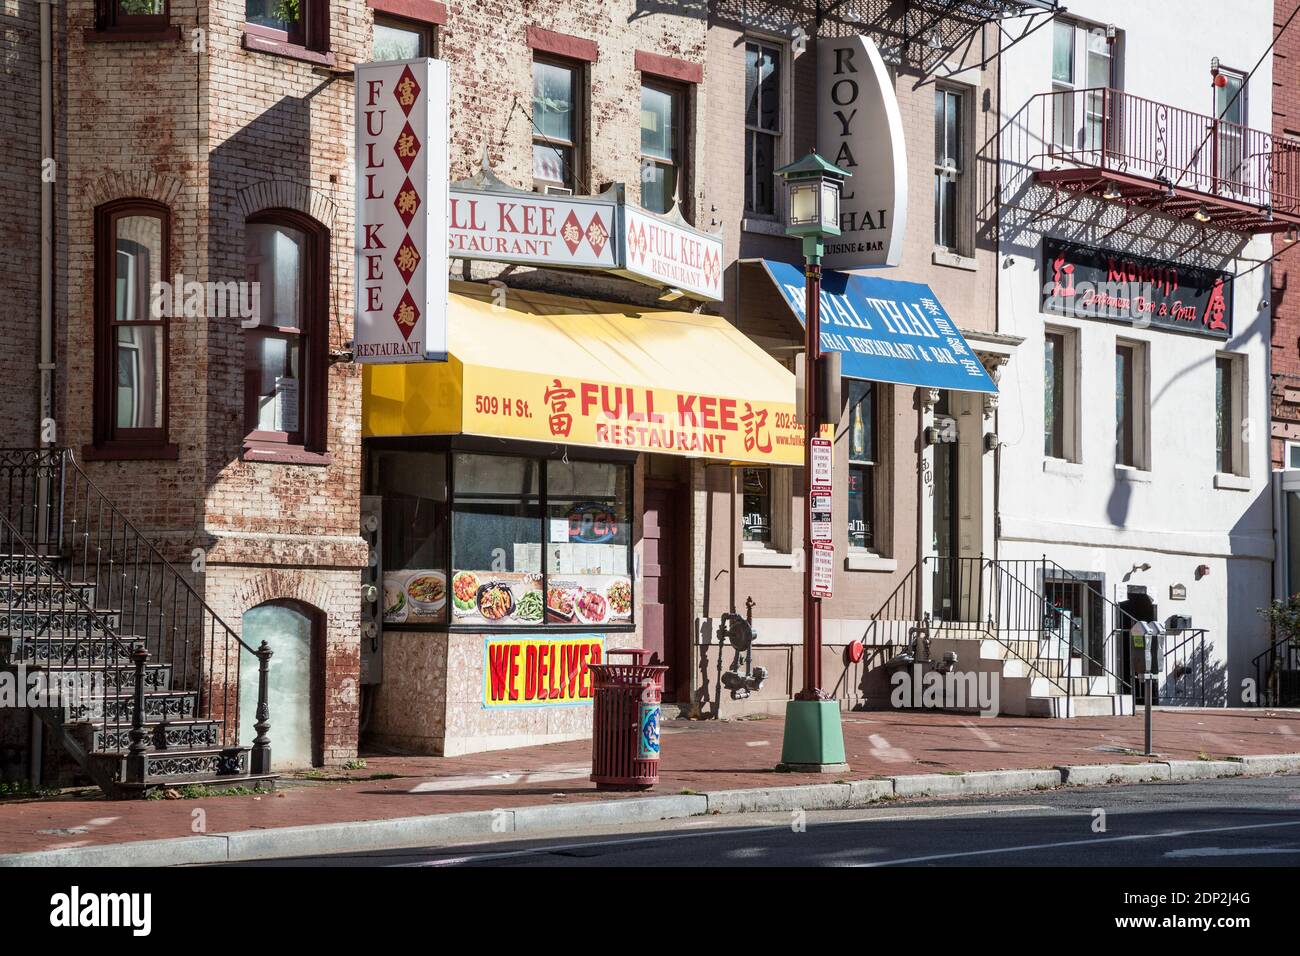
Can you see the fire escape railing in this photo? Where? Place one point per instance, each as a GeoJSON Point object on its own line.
{"type": "Point", "coordinates": [1111, 130]}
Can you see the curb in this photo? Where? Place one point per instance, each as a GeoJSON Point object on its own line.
{"type": "Point", "coordinates": [395, 833]}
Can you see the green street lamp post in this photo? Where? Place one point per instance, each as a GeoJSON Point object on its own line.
{"type": "Point", "coordinates": [814, 739]}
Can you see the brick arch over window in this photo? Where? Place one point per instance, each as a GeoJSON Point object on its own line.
{"type": "Point", "coordinates": [283, 194]}
{"type": "Point", "coordinates": [275, 585]}
{"type": "Point", "coordinates": [136, 184]}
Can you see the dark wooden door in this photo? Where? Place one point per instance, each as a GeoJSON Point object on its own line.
{"type": "Point", "coordinates": [665, 594]}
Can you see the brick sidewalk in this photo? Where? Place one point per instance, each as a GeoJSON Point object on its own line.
{"type": "Point", "coordinates": [697, 755]}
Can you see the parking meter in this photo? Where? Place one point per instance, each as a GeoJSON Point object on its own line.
{"type": "Point", "coordinates": [1143, 647]}
{"type": "Point", "coordinates": [1144, 655]}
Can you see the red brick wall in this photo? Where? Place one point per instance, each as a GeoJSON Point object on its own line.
{"type": "Point", "coordinates": [1285, 294]}
{"type": "Point", "coordinates": [20, 185]}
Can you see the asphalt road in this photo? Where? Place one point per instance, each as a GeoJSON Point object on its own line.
{"type": "Point", "coordinates": [1232, 822]}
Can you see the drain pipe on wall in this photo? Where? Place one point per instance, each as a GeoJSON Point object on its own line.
{"type": "Point", "coordinates": [47, 366]}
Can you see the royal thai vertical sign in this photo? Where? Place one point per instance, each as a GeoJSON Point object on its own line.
{"type": "Point", "coordinates": [860, 129]}
{"type": "Point", "coordinates": [402, 194]}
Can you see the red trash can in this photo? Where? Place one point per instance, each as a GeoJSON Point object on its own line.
{"type": "Point", "coordinates": [625, 722]}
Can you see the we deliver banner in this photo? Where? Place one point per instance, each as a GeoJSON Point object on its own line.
{"type": "Point", "coordinates": [527, 671]}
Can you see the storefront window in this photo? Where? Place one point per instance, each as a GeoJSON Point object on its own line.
{"type": "Point", "coordinates": [413, 535]}
{"type": "Point", "coordinates": [587, 543]}
{"type": "Point", "coordinates": [507, 510]}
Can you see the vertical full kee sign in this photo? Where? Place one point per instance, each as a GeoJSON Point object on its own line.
{"type": "Point", "coordinates": [402, 195]}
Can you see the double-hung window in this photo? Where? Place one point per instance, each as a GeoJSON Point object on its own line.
{"type": "Point", "coordinates": [662, 152]}
{"type": "Point", "coordinates": [763, 126]}
{"type": "Point", "coordinates": [1082, 72]}
{"type": "Point", "coordinates": [1131, 403]}
{"type": "Point", "coordinates": [949, 168]}
{"type": "Point", "coordinates": [132, 237]}
{"type": "Point", "coordinates": [1230, 402]}
{"type": "Point", "coordinates": [1060, 394]}
{"type": "Point", "coordinates": [285, 351]}
{"type": "Point", "coordinates": [557, 125]}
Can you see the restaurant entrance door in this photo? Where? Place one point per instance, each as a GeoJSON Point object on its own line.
{"type": "Point", "coordinates": [665, 574]}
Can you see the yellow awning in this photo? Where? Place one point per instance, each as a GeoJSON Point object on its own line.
{"type": "Point", "coordinates": [542, 367]}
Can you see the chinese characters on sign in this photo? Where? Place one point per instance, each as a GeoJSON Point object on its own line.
{"type": "Point", "coordinates": [401, 194]}
{"type": "Point", "coordinates": [1088, 283]}
{"type": "Point", "coordinates": [886, 330]}
{"type": "Point", "coordinates": [531, 228]}
{"type": "Point", "coordinates": [578, 411]}
{"type": "Point", "coordinates": [584, 232]}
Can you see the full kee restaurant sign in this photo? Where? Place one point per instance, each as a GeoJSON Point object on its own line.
{"type": "Point", "coordinates": [604, 232]}
{"type": "Point", "coordinates": [673, 254]}
{"type": "Point", "coordinates": [529, 671]}
{"type": "Point", "coordinates": [572, 410]}
{"type": "Point", "coordinates": [401, 198]}
{"type": "Point", "coordinates": [516, 226]}
{"type": "Point", "coordinates": [1089, 283]}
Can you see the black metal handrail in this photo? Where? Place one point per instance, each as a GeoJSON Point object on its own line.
{"type": "Point", "coordinates": [67, 637]}
{"type": "Point", "coordinates": [1184, 666]}
{"type": "Point", "coordinates": [155, 604]}
{"type": "Point", "coordinates": [1277, 673]}
{"type": "Point", "coordinates": [1045, 571]}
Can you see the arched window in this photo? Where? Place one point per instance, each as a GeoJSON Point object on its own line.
{"type": "Point", "coordinates": [286, 353]}
{"type": "Point", "coordinates": [132, 240]}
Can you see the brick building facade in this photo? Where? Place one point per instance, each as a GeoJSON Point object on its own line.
{"type": "Point", "coordinates": [1285, 355]}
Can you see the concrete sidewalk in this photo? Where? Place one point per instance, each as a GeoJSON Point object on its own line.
{"type": "Point", "coordinates": [708, 766]}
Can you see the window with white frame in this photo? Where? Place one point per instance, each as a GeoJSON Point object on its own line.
{"type": "Point", "coordinates": [951, 161]}
{"type": "Point", "coordinates": [763, 126]}
{"type": "Point", "coordinates": [1083, 68]}
{"type": "Point", "coordinates": [1230, 406]}
{"type": "Point", "coordinates": [1230, 114]}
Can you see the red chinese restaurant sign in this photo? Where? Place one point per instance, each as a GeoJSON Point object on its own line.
{"type": "Point", "coordinates": [1089, 283]}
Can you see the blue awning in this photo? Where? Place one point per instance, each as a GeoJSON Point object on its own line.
{"type": "Point", "coordinates": [886, 330]}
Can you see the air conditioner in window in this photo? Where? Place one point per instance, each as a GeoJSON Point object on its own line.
{"type": "Point", "coordinates": [557, 190]}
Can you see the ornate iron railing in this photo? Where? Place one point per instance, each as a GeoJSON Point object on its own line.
{"type": "Point", "coordinates": [1109, 129]}
{"type": "Point", "coordinates": [154, 607]}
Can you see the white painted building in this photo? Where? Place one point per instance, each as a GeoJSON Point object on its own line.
{"type": "Point", "coordinates": [1134, 454]}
